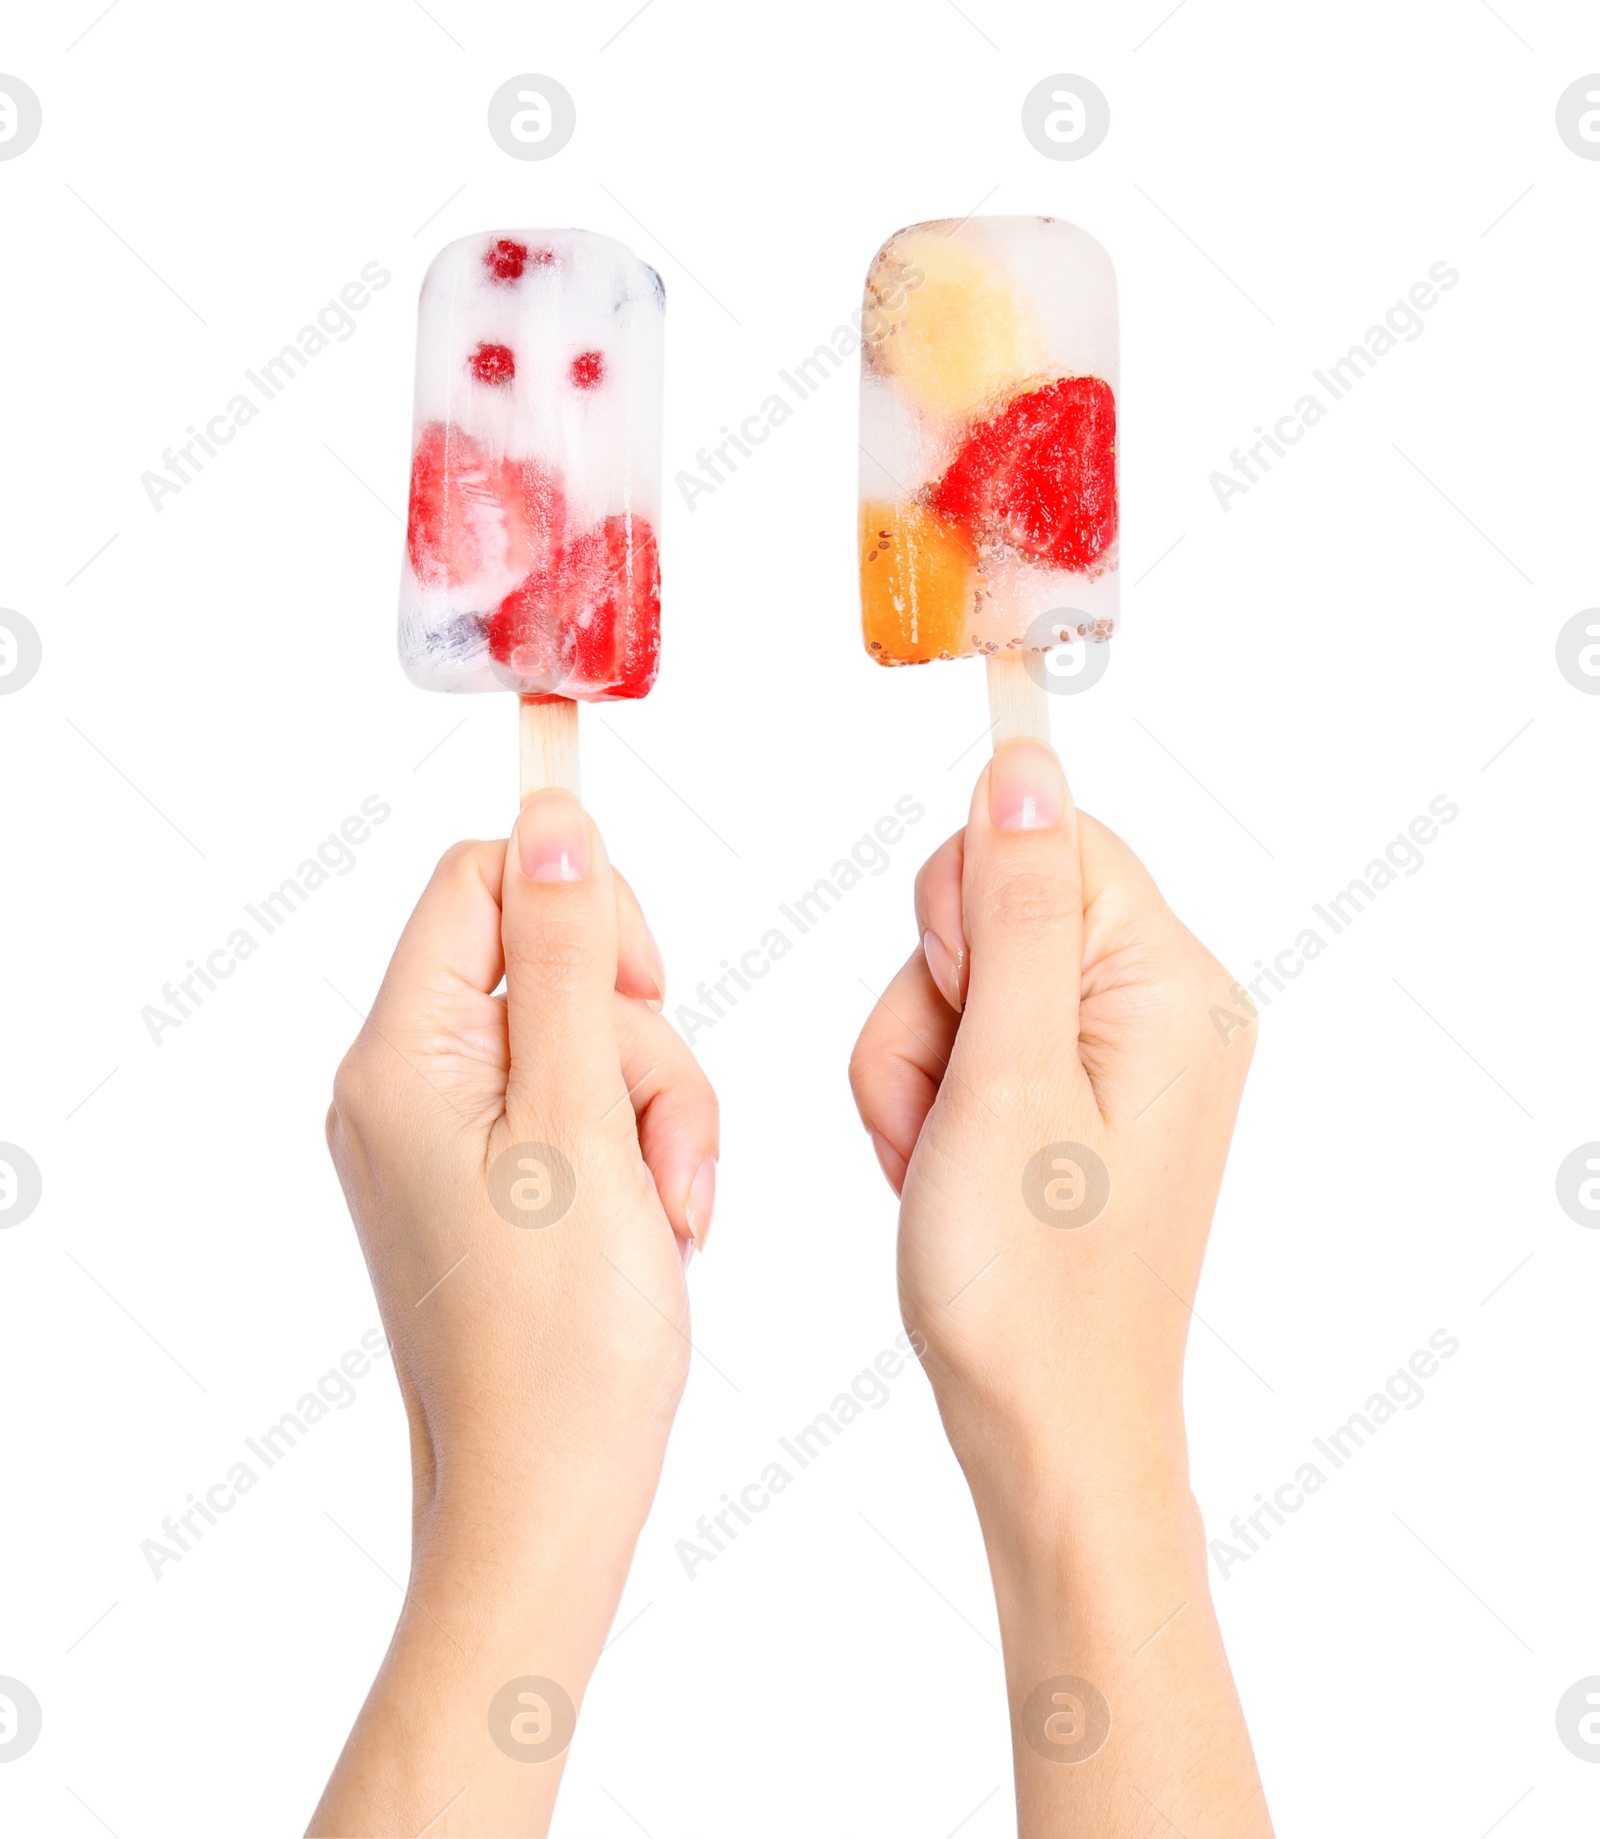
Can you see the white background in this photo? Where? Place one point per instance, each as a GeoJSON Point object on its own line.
{"type": "Point", "coordinates": [1325, 657]}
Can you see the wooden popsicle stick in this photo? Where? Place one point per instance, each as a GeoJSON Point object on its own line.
{"type": "Point", "coordinates": [549, 727]}
{"type": "Point", "coordinates": [1019, 707]}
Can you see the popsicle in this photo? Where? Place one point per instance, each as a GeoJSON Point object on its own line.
{"type": "Point", "coordinates": [531, 558]}
{"type": "Point", "coordinates": [988, 513]}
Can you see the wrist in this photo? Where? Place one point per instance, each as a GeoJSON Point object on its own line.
{"type": "Point", "coordinates": [1065, 1514]}
{"type": "Point", "coordinates": [1086, 1566]}
{"type": "Point", "coordinates": [494, 1598]}
{"type": "Point", "coordinates": [505, 1616]}
{"type": "Point", "coordinates": [523, 1538]}
{"type": "Point", "coordinates": [1032, 1460]}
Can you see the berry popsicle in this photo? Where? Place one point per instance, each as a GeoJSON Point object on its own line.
{"type": "Point", "coordinates": [988, 515]}
{"type": "Point", "coordinates": [531, 562]}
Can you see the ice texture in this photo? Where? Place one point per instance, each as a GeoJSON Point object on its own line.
{"type": "Point", "coordinates": [531, 559]}
{"type": "Point", "coordinates": [988, 440]}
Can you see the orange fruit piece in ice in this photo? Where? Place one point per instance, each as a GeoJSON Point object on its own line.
{"type": "Point", "coordinates": [919, 579]}
{"type": "Point", "coordinates": [949, 330]}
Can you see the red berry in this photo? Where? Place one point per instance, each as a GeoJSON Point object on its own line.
{"type": "Point", "coordinates": [1041, 476]}
{"type": "Point", "coordinates": [493, 364]}
{"type": "Point", "coordinates": [588, 367]}
{"type": "Point", "coordinates": [505, 260]}
{"type": "Point", "coordinates": [591, 623]}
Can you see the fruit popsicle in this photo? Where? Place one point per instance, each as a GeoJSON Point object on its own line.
{"type": "Point", "coordinates": [531, 560]}
{"type": "Point", "coordinates": [988, 513]}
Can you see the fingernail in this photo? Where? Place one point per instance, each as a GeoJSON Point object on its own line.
{"type": "Point", "coordinates": [657, 963]}
{"type": "Point", "coordinates": [889, 1160]}
{"type": "Point", "coordinates": [553, 838]}
{"type": "Point", "coordinates": [942, 967]}
{"type": "Point", "coordinates": [1027, 789]}
{"type": "Point", "coordinates": [686, 1251]}
{"type": "Point", "coordinates": [702, 1198]}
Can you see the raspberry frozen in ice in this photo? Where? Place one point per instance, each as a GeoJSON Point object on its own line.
{"type": "Point", "coordinates": [531, 552]}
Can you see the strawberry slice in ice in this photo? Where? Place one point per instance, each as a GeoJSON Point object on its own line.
{"type": "Point", "coordinates": [589, 625]}
{"type": "Point", "coordinates": [535, 509]}
{"type": "Point", "coordinates": [524, 634]}
{"type": "Point", "coordinates": [473, 516]}
{"type": "Point", "coordinates": [455, 525]}
{"type": "Point", "coordinates": [1041, 476]}
{"type": "Point", "coordinates": [615, 603]}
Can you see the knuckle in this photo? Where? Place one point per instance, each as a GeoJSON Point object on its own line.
{"type": "Point", "coordinates": [1231, 1008]}
{"type": "Point", "coordinates": [354, 1090]}
{"type": "Point", "coordinates": [704, 1096]}
{"type": "Point", "coordinates": [870, 1078]}
{"type": "Point", "coordinates": [555, 953]}
{"type": "Point", "coordinates": [456, 858]}
{"type": "Point", "coordinates": [870, 1056]}
{"type": "Point", "coordinates": [939, 879]}
{"type": "Point", "coordinates": [1008, 1089]}
{"type": "Point", "coordinates": [460, 865]}
{"type": "Point", "coordinates": [1028, 902]}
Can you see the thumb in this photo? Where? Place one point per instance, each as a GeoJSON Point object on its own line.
{"type": "Point", "coordinates": [559, 926]}
{"type": "Point", "coordinates": [1022, 907]}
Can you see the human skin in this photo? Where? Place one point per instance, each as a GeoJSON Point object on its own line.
{"type": "Point", "coordinates": [541, 1356]}
{"type": "Point", "coordinates": [1057, 1001]}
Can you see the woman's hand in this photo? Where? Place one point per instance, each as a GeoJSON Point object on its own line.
{"type": "Point", "coordinates": [528, 1175]}
{"type": "Point", "coordinates": [1050, 1092]}
{"type": "Point", "coordinates": [1072, 1008]}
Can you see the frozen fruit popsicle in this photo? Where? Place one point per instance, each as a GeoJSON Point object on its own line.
{"type": "Point", "coordinates": [531, 561]}
{"type": "Point", "coordinates": [988, 519]}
